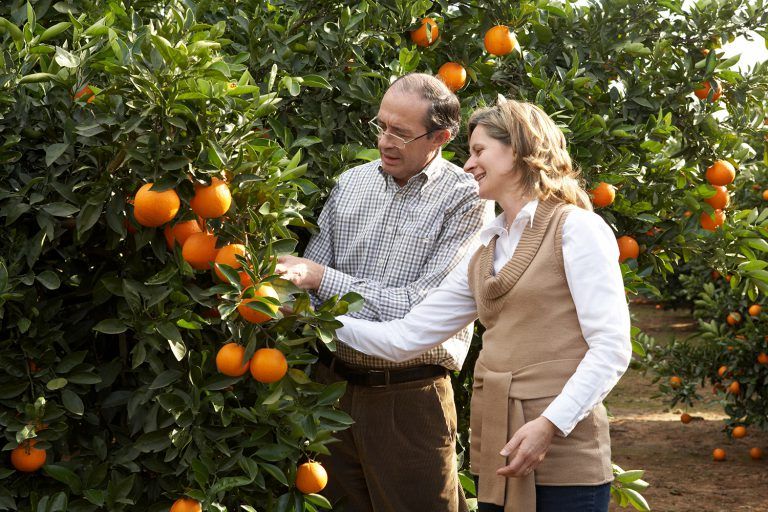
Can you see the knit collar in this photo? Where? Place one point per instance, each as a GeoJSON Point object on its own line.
{"type": "Point", "coordinates": [493, 286]}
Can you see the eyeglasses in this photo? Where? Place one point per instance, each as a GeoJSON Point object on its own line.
{"type": "Point", "coordinates": [399, 141]}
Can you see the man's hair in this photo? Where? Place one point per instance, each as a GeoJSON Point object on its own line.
{"type": "Point", "coordinates": [444, 112]}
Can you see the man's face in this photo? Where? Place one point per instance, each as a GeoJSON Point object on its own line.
{"type": "Point", "coordinates": [402, 114]}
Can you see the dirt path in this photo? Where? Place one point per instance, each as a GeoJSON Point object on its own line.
{"type": "Point", "coordinates": [677, 457]}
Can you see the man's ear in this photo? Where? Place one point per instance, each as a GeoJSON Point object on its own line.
{"type": "Point", "coordinates": [441, 137]}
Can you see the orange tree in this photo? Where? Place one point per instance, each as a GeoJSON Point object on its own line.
{"type": "Point", "coordinates": [188, 91]}
{"type": "Point", "coordinates": [109, 335]}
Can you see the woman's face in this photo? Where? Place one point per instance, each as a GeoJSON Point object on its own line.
{"type": "Point", "coordinates": [491, 163]}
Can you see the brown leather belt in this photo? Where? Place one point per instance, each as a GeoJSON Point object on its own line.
{"type": "Point", "coordinates": [378, 378]}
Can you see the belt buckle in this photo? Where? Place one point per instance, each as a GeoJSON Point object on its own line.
{"type": "Point", "coordinates": [380, 372]}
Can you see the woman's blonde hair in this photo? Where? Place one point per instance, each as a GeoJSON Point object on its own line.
{"type": "Point", "coordinates": [539, 149]}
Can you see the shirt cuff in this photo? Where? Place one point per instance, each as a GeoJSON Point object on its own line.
{"type": "Point", "coordinates": [564, 413]}
{"type": "Point", "coordinates": [333, 283]}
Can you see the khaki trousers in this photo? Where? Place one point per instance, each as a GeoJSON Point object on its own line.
{"type": "Point", "coordinates": [400, 454]}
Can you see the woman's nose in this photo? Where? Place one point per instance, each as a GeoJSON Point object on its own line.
{"type": "Point", "coordinates": [469, 164]}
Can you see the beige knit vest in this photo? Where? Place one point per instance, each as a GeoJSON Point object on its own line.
{"type": "Point", "coordinates": [531, 346]}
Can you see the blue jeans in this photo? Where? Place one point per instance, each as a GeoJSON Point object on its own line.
{"type": "Point", "coordinates": [577, 498]}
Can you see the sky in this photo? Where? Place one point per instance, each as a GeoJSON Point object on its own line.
{"type": "Point", "coordinates": [751, 52]}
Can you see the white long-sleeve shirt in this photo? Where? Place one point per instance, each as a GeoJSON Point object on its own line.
{"type": "Point", "coordinates": [590, 256]}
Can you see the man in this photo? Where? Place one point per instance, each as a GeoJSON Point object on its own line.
{"type": "Point", "coordinates": [390, 231]}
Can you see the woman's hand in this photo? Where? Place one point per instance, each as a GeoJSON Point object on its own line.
{"type": "Point", "coordinates": [528, 447]}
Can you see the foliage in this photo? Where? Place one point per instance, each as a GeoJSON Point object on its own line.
{"type": "Point", "coordinates": [107, 336]}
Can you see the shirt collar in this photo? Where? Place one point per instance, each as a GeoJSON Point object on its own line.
{"type": "Point", "coordinates": [497, 225]}
{"type": "Point", "coordinates": [425, 175]}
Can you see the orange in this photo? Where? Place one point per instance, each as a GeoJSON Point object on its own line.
{"type": "Point", "coordinates": [756, 453]}
{"type": "Point", "coordinates": [499, 40]}
{"type": "Point", "coordinates": [720, 200]}
{"type": "Point", "coordinates": [211, 201]}
{"type": "Point", "coordinates": [733, 318]}
{"type": "Point", "coordinates": [186, 505]}
{"type": "Point", "coordinates": [419, 36]}
{"type": "Point", "coordinates": [715, 275]}
{"type": "Point", "coordinates": [179, 232]}
{"type": "Point", "coordinates": [628, 248]}
{"type": "Point", "coordinates": [755, 310]}
{"type": "Point", "coordinates": [765, 195]}
{"type": "Point", "coordinates": [199, 250]}
{"type": "Point", "coordinates": [86, 93]}
{"type": "Point", "coordinates": [718, 454]}
{"type": "Point", "coordinates": [311, 478]}
{"type": "Point", "coordinates": [257, 317]}
{"type": "Point", "coordinates": [739, 432]}
{"type": "Point", "coordinates": [734, 388]}
{"type": "Point", "coordinates": [762, 358]}
{"type": "Point", "coordinates": [721, 371]}
{"type": "Point", "coordinates": [229, 360]}
{"type": "Point", "coordinates": [687, 213]}
{"type": "Point", "coordinates": [603, 194]}
{"type": "Point", "coordinates": [268, 365]}
{"type": "Point", "coordinates": [720, 173]}
{"type": "Point", "coordinates": [226, 256]}
{"type": "Point", "coordinates": [702, 92]}
{"type": "Point", "coordinates": [675, 381]}
{"type": "Point", "coordinates": [712, 222]}
{"type": "Point", "coordinates": [686, 418]}
{"type": "Point", "coordinates": [152, 208]}
{"type": "Point", "coordinates": [453, 75]}
{"type": "Point", "coordinates": [27, 458]}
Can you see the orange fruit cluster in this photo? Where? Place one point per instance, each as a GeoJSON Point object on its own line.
{"type": "Point", "coordinates": [498, 41]}
{"type": "Point", "coordinates": [267, 365]}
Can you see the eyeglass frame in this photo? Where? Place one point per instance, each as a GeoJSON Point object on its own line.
{"type": "Point", "coordinates": [380, 132]}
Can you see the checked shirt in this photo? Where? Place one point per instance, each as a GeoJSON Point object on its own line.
{"type": "Point", "coordinates": [393, 244]}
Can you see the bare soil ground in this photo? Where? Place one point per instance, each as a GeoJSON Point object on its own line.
{"type": "Point", "coordinates": [677, 458]}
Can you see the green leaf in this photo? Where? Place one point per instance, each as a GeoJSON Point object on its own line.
{"type": "Point", "coordinates": [275, 471]}
{"type": "Point", "coordinates": [111, 326]}
{"type": "Point", "coordinates": [630, 476]}
{"type": "Point", "coordinates": [316, 81]}
{"type": "Point", "coordinates": [637, 500]}
{"type": "Point", "coordinates": [35, 78]}
{"type": "Point", "coordinates": [53, 152]}
{"type": "Point", "coordinates": [332, 393]}
{"type": "Point", "coordinates": [166, 378]}
{"type": "Point", "coordinates": [88, 217]}
{"type": "Point", "coordinates": [152, 442]}
{"type": "Point", "coordinates": [65, 59]}
{"type": "Point", "coordinates": [72, 402]}
{"type": "Point", "coordinates": [60, 209]}
{"type": "Point", "coordinates": [169, 331]}
{"type": "Point", "coordinates": [49, 279]}
{"type": "Point", "coordinates": [13, 389]}
{"type": "Point", "coordinates": [369, 155]}
{"type": "Point", "coordinates": [54, 31]}
{"type": "Point", "coordinates": [57, 383]}
{"type": "Point", "coordinates": [318, 500]}
{"type": "Point", "coordinates": [163, 276]}
{"type": "Point", "coordinates": [65, 476]}
{"type": "Point", "coordinates": [84, 378]}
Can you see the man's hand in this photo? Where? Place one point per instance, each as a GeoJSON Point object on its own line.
{"type": "Point", "coordinates": [528, 447]}
{"type": "Point", "coordinates": [302, 272]}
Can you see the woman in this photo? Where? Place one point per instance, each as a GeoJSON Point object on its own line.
{"type": "Point", "coordinates": [546, 285]}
